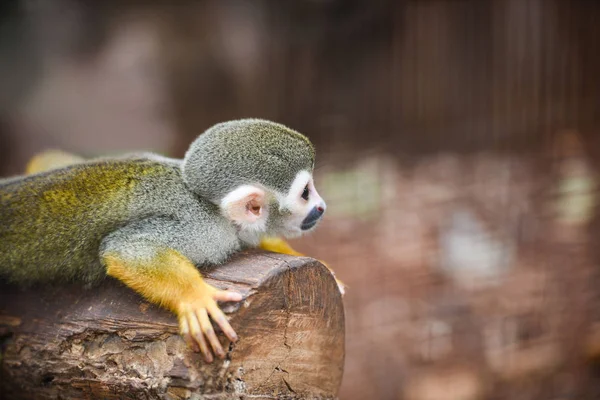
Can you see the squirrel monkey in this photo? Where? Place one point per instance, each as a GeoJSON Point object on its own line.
{"type": "Point", "coordinates": [52, 159]}
{"type": "Point", "coordinates": [149, 221]}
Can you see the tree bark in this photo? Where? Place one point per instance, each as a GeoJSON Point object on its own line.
{"type": "Point", "coordinates": [67, 342]}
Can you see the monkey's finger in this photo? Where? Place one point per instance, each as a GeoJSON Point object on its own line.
{"type": "Point", "coordinates": [184, 330]}
{"type": "Point", "coordinates": [199, 337]}
{"type": "Point", "coordinates": [221, 320]}
{"type": "Point", "coordinates": [226, 295]}
{"type": "Point", "coordinates": [209, 332]}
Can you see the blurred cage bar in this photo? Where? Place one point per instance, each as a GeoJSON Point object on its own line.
{"type": "Point", "coordinates": [457, 148]}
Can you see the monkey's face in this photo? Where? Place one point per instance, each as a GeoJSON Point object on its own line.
{"type": "Point", "coordinates": [301, 208]}
{"type": "Point", "coordinates": [256, 210]}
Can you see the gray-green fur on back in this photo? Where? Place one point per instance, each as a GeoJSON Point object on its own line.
{"type": "Point", "coordinates": [52, 223]}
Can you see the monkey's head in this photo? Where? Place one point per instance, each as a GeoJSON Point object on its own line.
{"type": "Point", "coordinates": [260, 175]}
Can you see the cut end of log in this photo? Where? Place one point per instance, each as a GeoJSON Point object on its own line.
{"type": "Point", "coordinates": [105, 342]}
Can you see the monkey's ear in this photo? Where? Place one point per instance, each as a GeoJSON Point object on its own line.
{"type": "Point", "coordinates": [245, 206]}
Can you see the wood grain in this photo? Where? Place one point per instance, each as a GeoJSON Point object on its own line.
{"type": "Point", "coordinates": [108, 343]}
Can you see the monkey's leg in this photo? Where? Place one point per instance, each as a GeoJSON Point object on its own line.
{"type": "Point", "coordinates": [166, 277]}
{"type": "Point", "coordinates": [278, 245]}
{"type": "Point", "coordinates": [51, 159]}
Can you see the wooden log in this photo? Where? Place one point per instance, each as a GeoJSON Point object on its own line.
{"type": "Point", "coordinates": [67, 342]}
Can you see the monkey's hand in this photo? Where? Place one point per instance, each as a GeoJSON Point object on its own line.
{"type": "Point", "coordinates": [278, 245]}
{"type": "Point", "coordinates": [193, 311]}
{"type": "Point", "coordinates": [168, 278]}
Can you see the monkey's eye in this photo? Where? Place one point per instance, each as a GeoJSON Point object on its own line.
{"type": "Point", "coordinates": [305, 193]}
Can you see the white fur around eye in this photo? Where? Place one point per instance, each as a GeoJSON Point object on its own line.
{"type": "Point", "coordinates": [293, 200]}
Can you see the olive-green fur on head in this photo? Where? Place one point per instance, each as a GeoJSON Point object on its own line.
{"type": "Point", "coordinates": [246, 151]}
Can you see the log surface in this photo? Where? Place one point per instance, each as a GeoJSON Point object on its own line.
{"type": "Point", "coordinates": [67, 342]}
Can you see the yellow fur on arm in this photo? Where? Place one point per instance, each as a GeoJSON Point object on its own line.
{"type": "Point", "coordinates": [169, 280]}
{"type": "Point", "coordinates": [278, 245]}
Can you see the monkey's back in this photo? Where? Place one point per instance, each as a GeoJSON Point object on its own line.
{"type": "Point", "coordinates": [52, 223]}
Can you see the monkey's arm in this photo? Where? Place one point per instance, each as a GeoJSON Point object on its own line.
{"type": "Point", "coordinates": [278, 245]}
{"type": "Point", "coordinates": [153, 267]}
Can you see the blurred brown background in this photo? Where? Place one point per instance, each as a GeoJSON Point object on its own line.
{"type": "Point", "coordinates": [457, 148]}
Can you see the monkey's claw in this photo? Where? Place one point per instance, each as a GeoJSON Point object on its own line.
{"type": "Point", "coordinates": [195, 325]}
